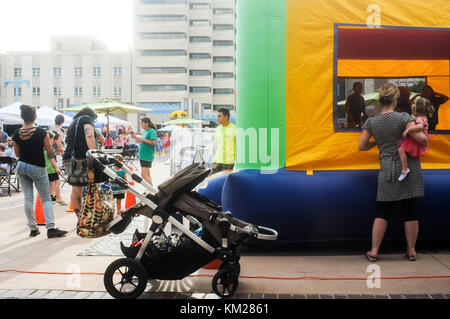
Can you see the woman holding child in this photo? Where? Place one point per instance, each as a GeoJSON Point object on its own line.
{"type": "Point", "coordinates": [388, 129]}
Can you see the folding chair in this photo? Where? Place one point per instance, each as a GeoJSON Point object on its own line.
{"type": "Point", "coordinates": [5, 176]}
{"type": "Point", "coordinates": [129, 155]}
{"type": "Point", "coordinates": [189, 155]}
{"type": "Point", "coordinates": [64, 175]}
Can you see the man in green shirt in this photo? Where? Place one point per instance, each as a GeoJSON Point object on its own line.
{"type": "Point", "coordinates": [226, 143]}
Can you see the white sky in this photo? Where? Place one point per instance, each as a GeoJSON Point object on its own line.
{"type": "Point", "coordinates": [26, 25]}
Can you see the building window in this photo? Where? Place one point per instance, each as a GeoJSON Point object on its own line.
{"type": "Point", "coordinates": [56, 91]}
{"type": "Point", "coordinates": [223, 11]}
{"type": "Point", "coordinates": [223, 75]}
{"type": "Point", "coordinates": [164, 53]}
{"type": "Point", "coordinates": [117, 91]}
{"type": "Point", "coordinates": [200, 73]}
{"type": "Point", "coordinates": [36, 72]}
{"type": "Point", "coordinates": [78, 91]}
{"type": "Point", "coordinates": [163, 1]}
{"type": "Point", "coordinates": [223, 91]}
{"type": "Point", "coordinates": [163, 70]}
{"type": "Point", "coordinates": [36, 91]}
{"type": "Point", "coordinates": [218, 107]}
{"type": "Point", "coordinates": [200, 23]}
{"type": "Point", "coordinates": [78, 71]}
{"type": "Point", "coordinates": [223, 27]}
{"type": "Point", "coordinates": [206, 106]}
{"type": "Point", "coordinates": [200, 56]}
{"type": "Point", "coordinates": [166, 18]}
{"type": "Point", "coordinates": [164, 35]}
{"type": "Point", "coordinates": [97, 91]}
{"type": "Point", "coordinates": [200, 6]}
{"type": "Point", "coordinates": [200, 39]}
{"type": "Point", "coordinates": [17, 72]}
{"type": "Point", "coordinates": [97, 71]}
{"type": "Point", "coordinates": [223, 59]}
{"type": "Point", "coordinates": [164, 87]}
{"type": "Point", "coordinates": [200, 89]}
{"type": "Point", "coordinates": [117, 71]}
{"type": "Point", "coordinates": [57, 72]}
{"type": "Point", "coordinates": [20, 91]}
{"type": "Point", "coordinates": [221, 43]}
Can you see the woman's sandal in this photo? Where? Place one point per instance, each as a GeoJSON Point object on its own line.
{"type": "Point", "coordinates": [370, 258]}
{"type": "Point", "coordinates": [411, 257]}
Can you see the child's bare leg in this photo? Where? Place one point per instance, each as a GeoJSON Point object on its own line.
{"type": "Point", "coordinates": [52, 188]}
{"type": "Point", "coordinates": [57, 189]}
{"type": "Point", "coordinates": [118, 206]}
{"type": "Point", "coordinates": [403, 158]}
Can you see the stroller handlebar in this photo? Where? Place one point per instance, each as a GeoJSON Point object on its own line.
{"type": "Point", "coordinates": [271, 234]}
{"type": "Point", "coordinates": [106, 159]}
{"type": "Point", "coordinates": [263, 233]}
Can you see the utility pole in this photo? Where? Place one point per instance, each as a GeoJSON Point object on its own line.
{"type": "Point", "coordinates": [17, 84]}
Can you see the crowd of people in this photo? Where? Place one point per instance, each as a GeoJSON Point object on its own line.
{"type": "Point", "coordinates": [401, 139]}
{"type": "Point", "coordinates": [37, 152]}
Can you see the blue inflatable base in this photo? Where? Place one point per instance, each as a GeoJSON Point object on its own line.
{"type": "Point", "coordinates": [329, 206]}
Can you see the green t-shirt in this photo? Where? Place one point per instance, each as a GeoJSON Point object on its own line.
{"type": "Point", "coordinates": [147, 151]}
{"type": "Point", "coordinates": [48, 164]}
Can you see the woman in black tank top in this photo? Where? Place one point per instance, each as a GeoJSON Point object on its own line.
{"type": "Point", "coordinates": [29, 143]}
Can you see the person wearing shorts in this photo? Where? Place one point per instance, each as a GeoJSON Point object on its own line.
{"type": "Point", "coordinates": [53, 175]}
{"type": "Point", "coordinates": [118, 191]}
{"type": "Point", "coordinates": [147, 148]}
{"type": "Point", "coordinates": [146, 164]}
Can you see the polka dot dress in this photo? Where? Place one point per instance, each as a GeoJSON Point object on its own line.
{"type": "Point", "coordinates": [388, 131]}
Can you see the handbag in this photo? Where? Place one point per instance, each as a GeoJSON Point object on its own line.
{"type": "Point", "coordinates": [76, 168]}
{"type": "Point", "coordinates": [97, 209]}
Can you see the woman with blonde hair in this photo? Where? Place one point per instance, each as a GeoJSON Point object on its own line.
{"type": "Point", "coordinates": [388, 128]}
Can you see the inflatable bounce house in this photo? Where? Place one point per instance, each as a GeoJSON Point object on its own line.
{"type": "Point", "coordinates": [298, 169]}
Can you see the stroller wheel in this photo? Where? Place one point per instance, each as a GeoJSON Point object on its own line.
{"type": "Point", "coordinates": [125, 279]}
{"type": "Point", "coordinates": [225, 283]}
{"type": "Point", "coordinates": [233, 268]}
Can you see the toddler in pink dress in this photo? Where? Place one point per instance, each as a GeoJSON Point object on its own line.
{"type": "Point", "coordinates": [422, 110]}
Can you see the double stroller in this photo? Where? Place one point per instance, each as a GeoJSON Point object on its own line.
{"type": "Point", "coordinates": [209, 234]}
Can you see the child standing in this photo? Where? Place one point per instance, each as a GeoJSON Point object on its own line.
{"type": "Point", "coordinates": [119, 192]}
{"type": "Point", "coordinates": [53, 175]}
{"type": "Point", "coordinates": [159, 147]}
{"type": "Point", "coordinates": [422, 109]}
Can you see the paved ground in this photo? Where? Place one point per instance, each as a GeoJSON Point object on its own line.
{"type": "Point", "coordinates": [83, 261]}
{"type": "Point", "coordinates": [60, 294]}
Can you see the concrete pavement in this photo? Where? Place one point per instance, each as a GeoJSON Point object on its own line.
{"type": "Point", "coordinates": [61, 255]}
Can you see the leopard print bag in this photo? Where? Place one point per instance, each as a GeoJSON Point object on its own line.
{"type": "Point", "coordinates": [97, 209]}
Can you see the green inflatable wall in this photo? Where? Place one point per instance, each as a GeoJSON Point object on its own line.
{"type": "Point", "coordinates": [261, 79]}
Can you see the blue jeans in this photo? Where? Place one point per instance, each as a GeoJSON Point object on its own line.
{"type": "Point", "coordinates": [29, 175]}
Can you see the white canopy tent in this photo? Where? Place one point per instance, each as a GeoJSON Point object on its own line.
{"type": "Point", "coordinates": [101, 118]}
{"type": "Point", "coordinates": [10, 115]}
{"type": "Point", "coordinates": [46, 114]}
